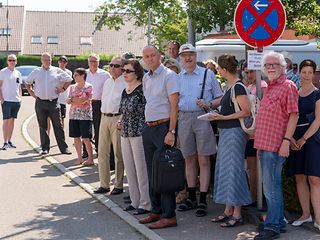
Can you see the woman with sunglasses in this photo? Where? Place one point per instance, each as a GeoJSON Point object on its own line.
{"type": "Point", "coordinates": [131, 122]}
{"type": "Point", "coordinates": [80, 115]}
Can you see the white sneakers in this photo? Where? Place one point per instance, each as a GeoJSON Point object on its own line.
{"type": "Point", "coordinates": [316, 225]}
{"type": "Point", "coordinates": [298, 223]}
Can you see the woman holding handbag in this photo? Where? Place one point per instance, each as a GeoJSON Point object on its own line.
{"type": "Point", "coordinates": [302, 162]}
{"type": "Point", "coordinates": [230, 184]}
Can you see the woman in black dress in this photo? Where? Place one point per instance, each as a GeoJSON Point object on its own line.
{"type": "Point", "coordinates": [303, 161]}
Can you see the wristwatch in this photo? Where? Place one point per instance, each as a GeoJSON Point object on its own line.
{"type": "Point", "coordinates": [173, 131]}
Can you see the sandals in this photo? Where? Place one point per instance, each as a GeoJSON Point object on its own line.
{"type": "Point", "coordinates": [221, 218]}
{"type": "Point", "coordinates": [232, 222]}
{"type": "Point", "coordinates": [187, 205]}
{"type": "Point", "coordinates": [201, 210]}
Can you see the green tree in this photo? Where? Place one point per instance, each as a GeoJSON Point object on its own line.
{"type": "Point", "coordinates": [168, 19]}
{"type": "Point", "coordinates": [303, 16]}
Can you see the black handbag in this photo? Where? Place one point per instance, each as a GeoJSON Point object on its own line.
{"type": "Point", "coordinates": [214, 124]}
{"type": "Point", "coordinates": [168, 170]}
{"type": "Point", "coordinates": [311, 117]}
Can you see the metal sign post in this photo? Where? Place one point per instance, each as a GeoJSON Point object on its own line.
{"type": "Point", "coordinates": [259, 23]}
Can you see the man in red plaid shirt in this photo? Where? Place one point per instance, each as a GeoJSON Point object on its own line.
{"type": "Point", "coordinates": [276, 123]}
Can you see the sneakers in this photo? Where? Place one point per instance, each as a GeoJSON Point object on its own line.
{"type": "Point", "coordinates": [5, 146]}
{"type": "Point", "coordinates": [11, 145]}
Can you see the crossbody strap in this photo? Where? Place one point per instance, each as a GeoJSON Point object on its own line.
{"type": "Point", "coordinates": [203, 85]}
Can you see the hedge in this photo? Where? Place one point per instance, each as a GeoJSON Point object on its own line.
{"type": "Point", "coordinates": [73, 62]}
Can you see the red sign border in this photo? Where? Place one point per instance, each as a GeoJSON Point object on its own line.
{"type": "Point", "coordinates": [254, 42]}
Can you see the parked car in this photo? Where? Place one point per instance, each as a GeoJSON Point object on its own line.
{"type": "Point", "coordinates": [25, 71]}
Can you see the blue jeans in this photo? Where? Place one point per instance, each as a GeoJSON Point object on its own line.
{"type": "Point", "coordinates": [271, 166]}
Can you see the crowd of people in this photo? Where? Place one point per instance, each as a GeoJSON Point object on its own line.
{"type": "Point", "coordinates": [137, 107]}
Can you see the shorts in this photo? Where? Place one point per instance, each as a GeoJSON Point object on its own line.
{"type": "Point", "coordinates": [195, 136]}
{"type": "Point", "coordinates": [63, 110]}
{"type": "Point", "coordinates": [250, 150]}
{"type": "Point", "coordinates": [80, 128]}
{"type": "Point", "coordinates": [10, 109]}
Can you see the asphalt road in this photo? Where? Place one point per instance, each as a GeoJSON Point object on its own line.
{"type": "Point", "coordinates": [38, 202]}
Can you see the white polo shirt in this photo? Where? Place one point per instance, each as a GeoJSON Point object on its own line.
{"type": "Point", "coordinates": [111, 95]}
{"type": "Point", "coordinates": [11, 81]}
{"type": "Point", "coordinates": [62, 99]}
{"type": "Point", "coordinates": [97, 81]}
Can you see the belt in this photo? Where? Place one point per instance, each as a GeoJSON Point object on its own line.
{"type": "Point", "coordinates": [156, 123]}
{"type": "Point", "coordinates": [111, 114]}
{"type": "Point", "coordinates": [303, 124]}
{"type": "Point", "coordinates": [48, 100]}
{"type": "Point", "coordinates": [95, 100]}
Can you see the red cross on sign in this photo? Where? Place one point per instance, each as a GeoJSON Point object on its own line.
{"type": "Point", "coordinates": [259, 23]}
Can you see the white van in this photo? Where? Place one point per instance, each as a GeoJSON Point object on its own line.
{"type": "Point", "coordinates": [297, 50]}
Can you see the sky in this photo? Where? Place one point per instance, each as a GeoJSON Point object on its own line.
{"type": "Point", "coordinates": [57, 5]}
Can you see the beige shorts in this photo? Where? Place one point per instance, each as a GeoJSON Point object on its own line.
{"type": "Point", "coordinates": [195, 136]}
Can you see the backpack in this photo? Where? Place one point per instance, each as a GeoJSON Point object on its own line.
{"type": "Point", "coordinates": [248, 124]}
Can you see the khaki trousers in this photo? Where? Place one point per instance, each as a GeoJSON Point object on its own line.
{"type": "Point", "coordinates": [108, 133]}
{"type": "Point", "coordinates": [136, 170]}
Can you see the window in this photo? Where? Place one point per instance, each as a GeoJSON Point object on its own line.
{"type": "Point", "coordinates": [36, 40]}
{"type": "Point", "coordinates": [53, 40]}
{"type": "Point", "coordinates": [85, 41]}
{"type": "Point", "coordinates": [5, 31]}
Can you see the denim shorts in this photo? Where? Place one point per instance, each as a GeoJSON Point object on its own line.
{"type": "Point", "coordinates": [10, 109]}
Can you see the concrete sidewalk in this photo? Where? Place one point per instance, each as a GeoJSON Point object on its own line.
{"type": "Point", "coordinates": [189, 226]}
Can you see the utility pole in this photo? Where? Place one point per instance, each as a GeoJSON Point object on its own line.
{"type": "Point", "coordinates": [149, 22]}
{"type": "Point", "coordinates": [7, 35]}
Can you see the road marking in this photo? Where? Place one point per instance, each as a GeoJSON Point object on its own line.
{"type": "Point", "coordinates": [112, 206]}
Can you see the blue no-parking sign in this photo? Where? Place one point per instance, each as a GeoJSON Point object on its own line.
{"type": "Point", "coordinates": [260, 23]}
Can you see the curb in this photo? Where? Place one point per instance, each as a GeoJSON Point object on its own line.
{"type": "Point", "coordinates": [112, 206]}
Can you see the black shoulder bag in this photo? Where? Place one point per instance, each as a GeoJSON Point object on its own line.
{"type": "Point", "coordinates": [214, 124]}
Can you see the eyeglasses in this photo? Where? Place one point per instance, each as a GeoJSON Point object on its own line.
{"type": "Point", "coordinates": [271, 65]}
{"type": "Point", "coordinates": [11, 60]}
{"type": "Point", "coordinates": [114, 65]}
{"type": "Point", "coordinates": [128, 71]}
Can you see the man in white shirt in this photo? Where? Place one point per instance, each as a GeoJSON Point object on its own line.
{"type": "Point", "coordinates": [49, 82]}
{"type": "Point", "coordinates": [10, 98]}
{"type": "Point", "coordinates": [109, 134]}
{"type": "Point", "coordinates": [96, 77]}
{"type": "Point", "coordinates": [62, 62]}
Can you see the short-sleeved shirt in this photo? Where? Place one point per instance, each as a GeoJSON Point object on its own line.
{"type": "Point", "coordinates": [191, 86]}
{"type": "Point", "coordinates": [97, 81]}
{"type": "Point", "coordinates": [111, 94]}
{"type": "Point", "coordinates": [63, 96]}
{"type": "Point", "coordinates": [279, 101]}
{"type": "Point", "coordinates": [80, 111]}
{"type": "Point", "coordinates": [294, 77]}
{"type": "Point", "coordinates": [157, 87]}
{"type": "Point", "coordinates": [132, 109]}
{"type": "Point", "coordinates": [11, 81]}
{"type": "Point", "coordinates": [227, 107]}
{"type": "Point", "coordinates": [47, 80]}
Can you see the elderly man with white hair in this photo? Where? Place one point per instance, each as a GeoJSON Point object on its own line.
{"type": "Point", "coordinates": [276, 123]}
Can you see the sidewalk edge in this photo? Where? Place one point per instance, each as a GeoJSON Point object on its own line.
{"type": "Point", "coordinates": [112, 206]}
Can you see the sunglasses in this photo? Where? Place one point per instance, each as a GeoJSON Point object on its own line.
{"type": "Point", "coordinates": [11, 60]}
{"type": "Point", "coordinates": [114, 65]}
{"type": "Point", "coordinates": [128, 71]}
